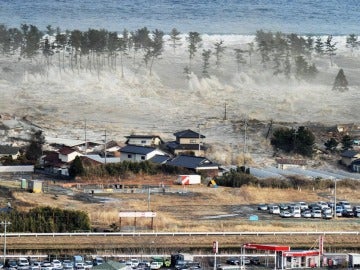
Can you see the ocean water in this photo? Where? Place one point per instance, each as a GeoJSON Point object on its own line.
{"type": "Point", "coordinates": [239, 17]}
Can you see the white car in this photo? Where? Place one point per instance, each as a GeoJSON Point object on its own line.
{"type": "Point", "coordinates": [56, 264]}
{"type": "Point", "coordinates": [316, 214]}
{"type": "Point", "coordinates": [155, 265]}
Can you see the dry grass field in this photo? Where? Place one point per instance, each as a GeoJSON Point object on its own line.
{"type": "Point", "coordinates": [194, 208]}
{"type": "Point", "coordinates": [190, 209]}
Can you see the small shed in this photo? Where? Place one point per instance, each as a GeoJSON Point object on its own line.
{"type": "Point", "coordinates": [35, 186]}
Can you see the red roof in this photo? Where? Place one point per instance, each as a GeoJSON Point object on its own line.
{"type": "Point", "coordinates": [66, 150]}
{"type": "Point", "coordinates": [267, 247]}
{"type": "Point", "coordinates": [301, 253]}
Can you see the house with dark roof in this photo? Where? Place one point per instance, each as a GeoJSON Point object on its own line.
{"type": "Point", "coordinates": [138, 153]}
{"type": "Point", "coordinates": [197, 164]}
{"type": "Point", "coordinates": [52, 164]}
{"type": "Point", "coordinates": [144, 140]}
{"type": "Point", "coordinates": [187, 142]}
{"type": "Point", "coordinates": [160, 159]}
{"type": "Point", "coordinates": [348, 156]}
{"type": "Point", "coordinates": [355, 166]}
{"type": "Point", "coordinates": [68, 154]}
{"type": "Point", "coordinates": [8, 150]}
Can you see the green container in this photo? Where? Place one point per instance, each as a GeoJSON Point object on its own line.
{"type": "Point", "coordinates": [23, 183]}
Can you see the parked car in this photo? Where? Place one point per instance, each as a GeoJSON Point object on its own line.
{"type": "Point", "coordinates": [254, 260]}
{"type": "Point", "coordinates": [98, 261]}
{"type": "Point", "coordinates": [88, 264]}
{"type": "Point", "coordinates": [348, 213]}
{"type": "Point", "coordinates": [56, 264]}
{"type": "Point", "coordinates": [356, 210]}
{"type": "Point", "coordinates": [316, 214]}
{"type": "Point", "coordinates": [233, 261]}
{"type": "Point", "coordinates": [285, 214]}
{"type": "Point", "coordinates": [327, 215]}
{"type": "Point", "coordinates": [303, 206]}
{"type": "Point", "coordinates": [23, 263]}
{"type": "Point", "coordinates": [155, 265]}
{"type": "Point", "coordinates": [338, 211]}
{"type": "Point", "coordinates": [306, 214]}
{"type": "Point", "coordinates": [274, 209]}
{"type": "Point", "coordinates": [262, 207]}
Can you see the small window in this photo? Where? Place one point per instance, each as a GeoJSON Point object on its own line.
{"type": "Point", "coordinates": [129, 156]}
{"type": "Point", "coordinates": [143, 141]}
{"type": "Point", "coordinates": [142, 157]}
{"type": "Point", "coordinates": [193, 141]}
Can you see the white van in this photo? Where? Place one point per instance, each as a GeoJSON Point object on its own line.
{"type": "Point", "coordinates": [296, 211]}
{"type": "Point", "coordinates": [274, 209]}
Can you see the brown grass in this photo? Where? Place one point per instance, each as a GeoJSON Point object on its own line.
{"type": "Point", "coordinates": [191, 208]}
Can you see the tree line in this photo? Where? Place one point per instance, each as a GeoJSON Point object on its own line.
{"type": "Point", "coordinates": [46, 220]}
{"type": "Point", "coordinates": [283, 54]}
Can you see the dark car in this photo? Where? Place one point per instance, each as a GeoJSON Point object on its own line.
{"type": "Point", "coordinates": [254, 260]}
{"type": "Point", "coordinates": [262, 207]}
{"type": "Point", "coordinates": [347, 213]}
{"type": "Point", "coordinates": [233, 261]}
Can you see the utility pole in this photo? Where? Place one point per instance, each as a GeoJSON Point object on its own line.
{"type": "Point", "coordinates": [225, 117]}
{"type": "Point", "coordinates": [199, 139]}
{"type": "Point", "coordinates": [5, 223]}
{"type": "Point", "coordinates": [245, 141]}
{"type": "Point", "coordinates": [105, 146]}
{"type": "Point", "coordinates": [86, 144]}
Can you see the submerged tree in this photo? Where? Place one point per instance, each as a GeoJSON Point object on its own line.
{"type": "Point", "coordinates": [206, 63]}
{"type": "Point", "coordinates": [330, 48]}
{"type": "Point", "coordinates": [340, 83]}
{"type": "Point", "coordinates": [175, 38]}
{"type": "Point", "coordinates": [194, 40]}
{"type": "Point", "coordinates": [219, 51]}
{"type": "Point", "coordinates": [352, 42]}
{"type": "Point", "coordinates": [239, 58]}
{"type": "Point", "coordinates": [319, 46]}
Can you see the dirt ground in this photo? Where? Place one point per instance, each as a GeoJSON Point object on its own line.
{"type": "Point", "coordinates": [190, 208]}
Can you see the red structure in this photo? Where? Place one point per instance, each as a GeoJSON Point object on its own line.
{"type": "Point", "coordinates": [289, 259]}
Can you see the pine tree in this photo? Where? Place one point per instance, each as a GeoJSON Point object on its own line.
{"type": "Point", "coordinates": [352, 42]}
{"type": "Point", "coordinates": [194, 40]}
{"type": "Point", "coordinates": [319, 46]}
{"type": "Point", "coordinates": [239, 58]}
{"type": "Point", "coordinates": [206, 63]}
{"type": "Point", "coordinates": [175, 38]}
{"type": "Point", "coordinates": [219, 51]}
{"type": "Point", "coordinates": [341, 83]}
{"type": "Point", "coordinates": [330, 48]}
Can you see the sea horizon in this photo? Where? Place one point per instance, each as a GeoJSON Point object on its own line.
{"type": "Point", "coordinates": [230, 17]}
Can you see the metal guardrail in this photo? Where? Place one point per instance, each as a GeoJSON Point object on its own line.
{"type": "Point", "coordinates": [139, 234]}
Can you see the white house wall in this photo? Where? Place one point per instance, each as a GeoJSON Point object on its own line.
{"type": "Point", "coordinates": [70, 157]}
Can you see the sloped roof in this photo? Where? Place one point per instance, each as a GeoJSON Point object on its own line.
{"type": "Point", "coordinates": [66, 150]}
{"type": "Point", "coordinates": [110, 265]}
{"type": "Point", "coordinates": [135, 149]}
{"type": "Point", "coordinates": [159, 159]}
{"type": "Point", "coordinates": [188, 133]}
{"type": "Point", "coordinates": [349, 153]}
{"type": "Point", "coordinates": [137, 136]}
{"type": "Point", "coordinates": [8, 150]}
{"type": "Point", "coordinates": [191, 162]}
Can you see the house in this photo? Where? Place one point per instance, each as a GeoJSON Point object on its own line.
{"type": "Point", "coordinates": [187, 142]}
{"type": "Point", "coordinates": [138, 153]}
{"type": "Point", "coordinates": [159, 159]}
{"type": "Point", "coordinates": [67, 154]}
{"type": "Point", "coordinates": [52, 164]}
{"type": "Point", "coordinates": [355, 166]}
{"type": "Point", "coordinates": [286, 163]}
{"type": "Point", "coordinates": [144, 140]}
{"type": "Point", "coordinates": [348, 156]}
{"type": "Point", "coordinates": [197, 164]}
{"type": "Point", "coordinates": [8, 150]}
